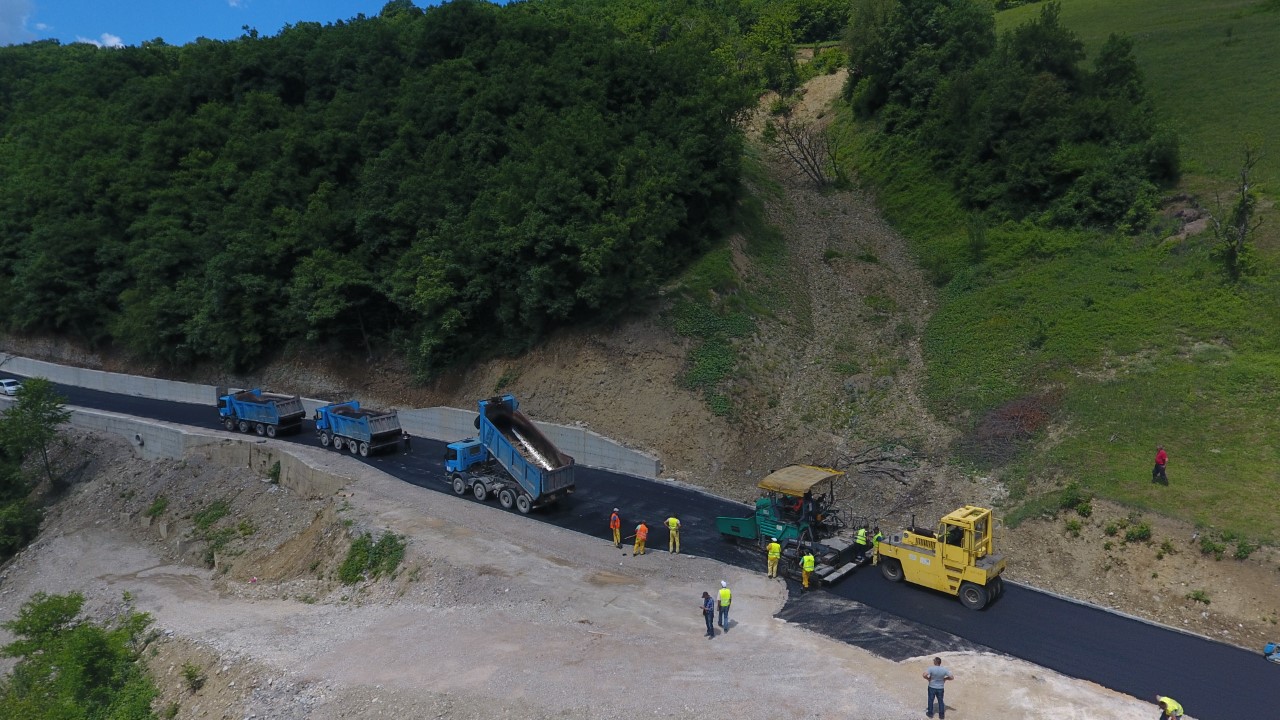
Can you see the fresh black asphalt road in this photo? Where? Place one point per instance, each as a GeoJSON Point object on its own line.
{"type": "Point", "coordinates": [1212, 680]}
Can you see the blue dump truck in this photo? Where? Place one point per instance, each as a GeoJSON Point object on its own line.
{"type": "Point", "coordinates": [267, 414]}
{"type": "Point", "coordinates": [510, 459]}
{"type": "Point", "coordinates": [360, 430]}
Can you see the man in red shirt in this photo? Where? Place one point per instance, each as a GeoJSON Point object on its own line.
{"type": "Point", "coordinates": [1157, 473]}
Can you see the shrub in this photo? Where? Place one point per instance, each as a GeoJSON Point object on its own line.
{"type": "Point", "coordinates": [1111, 529]}
{"type": "Point", "coordinates": [1075, 498]}
{"type": "Point", "coordinates": [194, 677]}
{"type": "Point", "coordinates": [1138, 533]}
{"type": "Point", "coordinates": [274, 473]}
{"type": "Point", "coordinates": [212, 514]}
{"type": "Point", "coordinates": [19, 525]}
{"type": "Point", "coordinates": [1073, 528]}
{"type": "Point", "coordinates": [1244, 549]}
{"type": "Point", "coordinates": [1209, 546]}
{"type": "Point", "coordinates": [68, 666]}
{"type": "Point", "coordinates": [367, 558]}
{"type": "Point", "coordinates": [217, 540]}
{"type": "Point", "coordinates": [1199, 596]}
{"type": "Point", "coordinates": [158, 506]}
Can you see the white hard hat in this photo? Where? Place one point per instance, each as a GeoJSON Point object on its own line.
{"type": "Point", "coordinates": [774, 539]}
{"type": "Point", "coordinates": [615, 509]}
{"type": "Point", "coordinates": [724, 584]}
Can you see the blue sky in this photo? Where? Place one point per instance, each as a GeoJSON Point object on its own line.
{"type": "Point", "coordinates": [132, 22]}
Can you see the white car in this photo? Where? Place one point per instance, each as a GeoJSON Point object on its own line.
{"type": "Point", "coordinates": [9, 386]}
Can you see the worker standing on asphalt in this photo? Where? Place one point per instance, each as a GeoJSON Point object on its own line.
{"type": "Point", "coordinates": [673, 534]}
{"type": "Point", "coordinates": [642, 534]}
{"type": "Point", "coordinates": [1169, 708]}
{"type": "Point", "coordinates": [615, 524]}
{"type": "Point", "coordinates": [775, 552]}
{"type": "Point", "coordinates": [726, 597]}
{"type": "Point", "coordinates": [806, 566]}
{"type": "Point", "coordinates": [861, 541]}
{"type": "Point", "coordinates": [876, 537]}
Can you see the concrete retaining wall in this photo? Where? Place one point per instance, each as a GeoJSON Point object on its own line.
{"type": "Point", "coordinates": [158, 440]}
{"type": "Point", "coordinates": [112, 382]}
{"type": "Point", "coordinates": [439, 423]}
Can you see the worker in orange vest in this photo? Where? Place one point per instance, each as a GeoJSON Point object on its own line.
{"type": "Point", "coordinates": [615, 524]}
{"type": "Point", "coordinates": [642, 534]}
{"type": "Point", "coordinates": [673, 535]}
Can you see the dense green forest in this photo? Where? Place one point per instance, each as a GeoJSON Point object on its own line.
{"type": "Point", "coordinates": [455, 180]}
{"type": "Point", "coordinates": [1016, 122]}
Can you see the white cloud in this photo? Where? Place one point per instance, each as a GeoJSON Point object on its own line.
{"type": "Point", "coordinates": [235, 3]}
{"type": "Point", "coordinates": [41, 27]}
{"type": "Point", "coordinates": [104, 40]}
{"type": "Point", "coordinates": [13, 21]}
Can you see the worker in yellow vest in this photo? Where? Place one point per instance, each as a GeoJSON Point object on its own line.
{"type": "Point", "coordinates": [642, 534]}
{"type": "Point", "coordinates": [673, 534]}
{"type": "Point", "coordinates": [775, 551]}
{"type": "Point", "coordinates": [726, 596]}
{"type": "Point", "coordinates": [876, 537]}
{"type": "Point", "coordinates": [1169, 708]}
{"type": "Point", "coordinates": [806, 566]}
{"type": "Point", "coordinates": [615, 524]}
{"type": "Point", "coordinates": [860, 540]}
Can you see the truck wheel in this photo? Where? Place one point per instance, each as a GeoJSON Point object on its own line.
{"type": "Point", "coordinates": [229, 424]}
{"type": "Point", "coordinates": [271, 431]}
{"type": "Point", "coordinates": [325, 439]}
{"type": "Point", "coordinates": [506, 498]}
{"type": "Point", "coordinates": [364, 449]}
{"type": "Point", "coordinates": [260, 429]}
{"type": "Point", "coordinates": [524, 504]}
{"type": "Point", "coordinates": [459, 485]}
{"type": "Point", "coordinates": [997, 587]}
{"type": "Point", "coordinates": [973, 596]}
{"type": "Point", "coordinates": [352, 446]}
{"type": "Point", "coordinates": [337, 443]}
{"type": "Point", "coordinates": [243, 425]}
{"type": "Point", "coordinates": [891, 569]}
{"type": "Point", "coordinates": [480, 491]}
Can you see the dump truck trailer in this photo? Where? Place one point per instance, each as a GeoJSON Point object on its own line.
{"type": "Point", "coordinates": [510, 459]}
{"type": "Point", "coordinates": [363, 431]}
{"type": "Point", "coordinates": [266, 414]}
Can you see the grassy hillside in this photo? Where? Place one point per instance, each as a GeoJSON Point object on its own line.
{"type": "Point", "coordinates": [1128, 342]}
{"type": "Point", "coordinates": [1211, 65]}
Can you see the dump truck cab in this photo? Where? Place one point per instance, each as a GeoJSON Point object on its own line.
{"type": "Point", "coordinates": [957, 557]}
{"type": "Point", "coordinates": [461, 455]}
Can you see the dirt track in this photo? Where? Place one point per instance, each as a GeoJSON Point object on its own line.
{"type": "Point", "coordinates": [492, 616]}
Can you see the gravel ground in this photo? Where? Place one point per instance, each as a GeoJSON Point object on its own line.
{"type": "Point", "coordinates": [492, 616]}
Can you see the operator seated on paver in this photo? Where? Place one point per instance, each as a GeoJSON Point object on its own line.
{"type": "Point", "coordinates": [793, 507]}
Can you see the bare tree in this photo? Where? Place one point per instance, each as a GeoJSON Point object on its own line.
{"type": "Point", "coordinates": [809, 147]}
{"type": "Point", "coordinates": [1233, 229]}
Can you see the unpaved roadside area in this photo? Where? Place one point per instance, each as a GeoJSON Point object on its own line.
{"type": "Point", "coordinates": [492, 615]}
